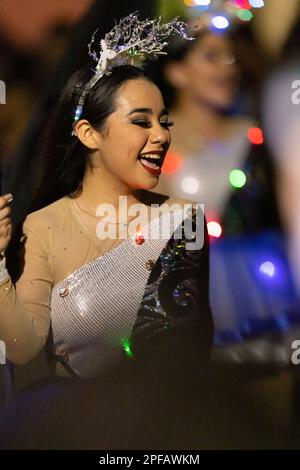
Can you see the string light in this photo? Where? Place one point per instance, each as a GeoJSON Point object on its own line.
{"type": "Point", "coordinates": [255, 135]}
{"type": "Point", "coordinates": [202, 3]}
{"type": "Point", "coordinates": [237, 178]}
{"type": "Point", "coordinates": [244, 15]}
{"type": "Point", "coordinates": [243, 4]}
{"type": "Point", "coordinates": [267, 268]}
{"type": "Point", "coordinates": [214, 229]}
{"type": "Point", "coordinates": [220, 13]}
{"type": "Point", "coordinates": [172, 163]}
{"type": "Point", "coordinates": [220, 22]}
{"type": "Point", "coordinates": [189, 3]}
{"type": "Point", "coordinates": [257, 3]}
{"type": "Point", "coordinates": [190, 185]}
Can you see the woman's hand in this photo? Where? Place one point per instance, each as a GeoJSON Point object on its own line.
{"type": "Point", "coordinates": [5, 221]}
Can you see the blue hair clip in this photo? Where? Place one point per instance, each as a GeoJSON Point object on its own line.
{"type": "Point", "coordinates": [77, 116]}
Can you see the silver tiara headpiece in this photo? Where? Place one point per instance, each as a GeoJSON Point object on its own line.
{"type": "Point", "coordinates": [131, 41]}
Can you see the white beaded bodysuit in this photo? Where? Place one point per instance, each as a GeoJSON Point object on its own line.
{"type": "Point", "coordinates": [93, 307]}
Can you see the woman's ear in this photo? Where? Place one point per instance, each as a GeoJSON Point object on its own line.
{"type": "Point", "coordinates": [87, 134]}
{"type": "Point", "coordinates": [175, 74]}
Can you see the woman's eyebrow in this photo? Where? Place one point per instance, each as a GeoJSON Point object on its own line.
{"type": "Point", "coordinates": [148, 111]}
{"type": "Point", "coordinates": [141, 110]}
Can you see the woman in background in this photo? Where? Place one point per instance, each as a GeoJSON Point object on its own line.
{"type": "Point", "coordinates": [212, 159]}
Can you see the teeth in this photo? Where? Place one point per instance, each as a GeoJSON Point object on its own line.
{"type": "Point", "coordinates": [150, 155]}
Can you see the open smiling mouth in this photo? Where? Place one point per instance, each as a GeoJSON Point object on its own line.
{"type": "Point", "coordinates": [151, 163]}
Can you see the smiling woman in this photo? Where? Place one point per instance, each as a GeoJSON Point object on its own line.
{"type": "Point", "coordinates": [115, 151]}
{"type": "Point", "coordinates": [133, 136]}
{"type": "Point", "coordinates": [99, 302]}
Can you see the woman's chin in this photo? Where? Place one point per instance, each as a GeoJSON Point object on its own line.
{"type": "Point", "coordinates": [148, 185]}
{"type": "Point", "coordinates": [147, 181]}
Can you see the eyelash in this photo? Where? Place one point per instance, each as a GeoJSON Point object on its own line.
{"type": "Point", "coordinates": [147, 124]}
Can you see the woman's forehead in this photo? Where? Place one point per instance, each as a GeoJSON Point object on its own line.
{"type": "Point", "coordinates": [139, 93]}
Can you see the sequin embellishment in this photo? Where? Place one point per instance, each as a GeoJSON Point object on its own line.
{"type": "Point", "coordinates": [150, 264]}
{"type": "Point", "coordinates": [139, 238]}
{"type": "Point", "coordinates": [63, 291]}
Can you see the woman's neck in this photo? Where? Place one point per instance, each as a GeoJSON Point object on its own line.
{"type": "Point", "coordinates": [104, 189]}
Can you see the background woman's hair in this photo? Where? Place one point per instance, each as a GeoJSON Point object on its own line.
{"type": "Point", "coordinates": [291, 47]}
{"type": "Point", "coordinates": [248, 57]}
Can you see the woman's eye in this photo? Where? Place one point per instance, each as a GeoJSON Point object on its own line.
{"type": "Point", "coordinates": [142, 123]}
{"type": "Point", "coordinates": [147, 124]}
{"type": "Point", "coordinates": [166, 123]}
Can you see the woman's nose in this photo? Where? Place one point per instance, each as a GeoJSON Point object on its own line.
{"type": "Point", "coordinates": [159, 135]}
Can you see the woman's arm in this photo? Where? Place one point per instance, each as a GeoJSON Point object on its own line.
{"type": "Point", "coordinates": [25, 308]}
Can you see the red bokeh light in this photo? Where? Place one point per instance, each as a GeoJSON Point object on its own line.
{"type": "Point", "coordinates": [255, 135]}
{"type": "Point", "coordinates": [172, 163]}
{"type": "Point", "coordinates": [243, 4]}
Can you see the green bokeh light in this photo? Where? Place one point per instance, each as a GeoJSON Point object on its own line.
{"type": "Point", "coordinates": [237, 178]}
{"type": "Point", "coordinates": [244, 15]}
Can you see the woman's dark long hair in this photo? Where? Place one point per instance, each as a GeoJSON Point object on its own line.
{"type": "Point", "coordinates": [65, 157]}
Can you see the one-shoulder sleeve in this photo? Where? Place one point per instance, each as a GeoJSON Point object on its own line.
{"type": "Point", "coordinates": [25, 306]}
